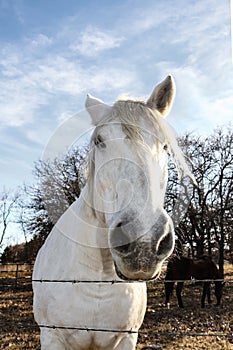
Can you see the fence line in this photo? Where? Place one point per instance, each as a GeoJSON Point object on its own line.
{"type": "Point", "coordinates": [171, 333]}
{"type": "Point", "coordinates": [130, 331]}
{"type": "Point", "coordinates": [28, 280]}
{"type": "Point", "coordinates": [17, 277]}
{"type": "Point", "coordinates": [73, 281]}
{"type": "Point", "coordinates": [4, 268]}
{"type": "Point", "coordinates": [14, 275]}
{"type": "Point", "coordinates": [14, 280]}
{"type": "Point", "coordinates": [157, 333]}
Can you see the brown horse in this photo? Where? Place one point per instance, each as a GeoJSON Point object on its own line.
{"type": "Point", "coordinates": [182, 268]}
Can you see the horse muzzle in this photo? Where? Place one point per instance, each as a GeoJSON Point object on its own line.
{"type": "Point", "coordinates": [140, 256]}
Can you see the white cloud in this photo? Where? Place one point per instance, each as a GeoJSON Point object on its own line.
{"type": "Point", "coordinates": [196, 108]}
{"type": "Point", "coordinates": [93, 41]}
{"type": "Point", "coordinates": [41, 41]}
{"type": "Point", "coordinates": [19, 98]}
{"type": "Point", "coordinates": [29, 81]}
{"type": "Point", "coordinates": [219, 111]}
{"type": "Point", "coordinates": [203, 34]}
{"type": "Point", "coordinates": [51, 72]}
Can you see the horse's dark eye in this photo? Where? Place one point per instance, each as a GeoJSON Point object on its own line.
{"type": "Point", "coordinates": [165, 147]}
{"type": "Point", "coordinates": [99, 142]}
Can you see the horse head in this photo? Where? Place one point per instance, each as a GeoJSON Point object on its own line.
{"type": "Point", "coordinates": [128, 177]}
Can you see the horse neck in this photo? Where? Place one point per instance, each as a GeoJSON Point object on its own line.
{"type": "Point", "coordinates": [94, 252]}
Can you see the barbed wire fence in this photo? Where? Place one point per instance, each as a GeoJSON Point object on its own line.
{"type": "Point", "coordinates": [23, 325]}
{"type": "Point", "coordinates": [130, 331]}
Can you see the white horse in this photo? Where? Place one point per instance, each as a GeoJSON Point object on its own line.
{"type": "Point", "coordinates": [116, 231]}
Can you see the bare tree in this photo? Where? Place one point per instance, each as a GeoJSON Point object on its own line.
{"type": "Point", "coordinates": [222, 195]}
{"type": "Point", "coordinates": [21, 218]}
{"type": "Point", "coordinates": [207, 224]}
{"type": "Point", "coordinates": [59, 183]}
{"type": "Point", "coordinates": [8, 202]}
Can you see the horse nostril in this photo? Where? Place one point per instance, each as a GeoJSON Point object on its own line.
{"type": "Point", "coordinates": [120, 240]}
{"type": "Point", "coordinates": [165, 245]}
{"type": "Point", "coordinates": [124, 249]}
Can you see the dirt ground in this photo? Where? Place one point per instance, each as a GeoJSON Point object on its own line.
{"type": "Point", "coordinates": [172, 327]}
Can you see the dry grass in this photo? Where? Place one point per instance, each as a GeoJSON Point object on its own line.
{"type": "Point", "coordinates": [16, 315]}
{"type": "Point", "coordinates": [191, 319]}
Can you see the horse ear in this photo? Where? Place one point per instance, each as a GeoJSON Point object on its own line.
{"type": "Point", "coordinates": [96, 108]}
{"type": "Point", "coordinates": [162, 96]}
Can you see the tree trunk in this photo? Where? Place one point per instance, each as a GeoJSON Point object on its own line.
{"type": "Point", "coordinates": [221, 256]}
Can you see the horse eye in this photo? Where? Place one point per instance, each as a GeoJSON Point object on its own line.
{"type": "Point", "coordinates": [99, 142]}
{"type": "Point", "coordinates": [165, 147]}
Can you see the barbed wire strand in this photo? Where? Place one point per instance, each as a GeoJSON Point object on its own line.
{"type": "Point", "coordinates": [74, 281]}
{"type": "Point", "coordinates": [130, 331]}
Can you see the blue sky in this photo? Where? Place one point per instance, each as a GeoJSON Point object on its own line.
{"type": "Point", "coordinates": [54, 52]}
